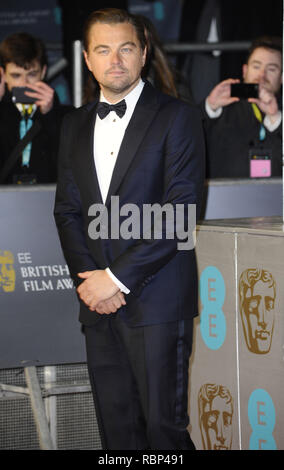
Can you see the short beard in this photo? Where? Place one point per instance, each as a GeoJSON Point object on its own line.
{"type": "Point", "coordinates": [119, 88]}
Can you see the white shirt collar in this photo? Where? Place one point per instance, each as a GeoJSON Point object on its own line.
{"type": "Point", "coordinates": [20, 107]}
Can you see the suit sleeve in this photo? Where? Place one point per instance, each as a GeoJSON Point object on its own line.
{"type": "Point", "coordinates": [184, 168]}
{"type": "Point", "coordinates": [68, 210]}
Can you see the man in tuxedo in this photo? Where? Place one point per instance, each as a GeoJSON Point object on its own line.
{"type": "Point", "coordinates": [138, 295]}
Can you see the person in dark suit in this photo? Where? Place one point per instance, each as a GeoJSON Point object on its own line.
{"type": "Point", "coordinates": [244, 136]}
{"type": "Point", "coordinates": [138, 294]}
{"type": "Point", "coordinates": [24, 64]}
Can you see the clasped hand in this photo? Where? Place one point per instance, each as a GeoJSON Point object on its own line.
{"type": "Point", "coordinates": [99, 292]}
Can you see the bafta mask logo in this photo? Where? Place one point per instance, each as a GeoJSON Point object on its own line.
{"type": "Point", "coordinates": [257, 292]}
{"type": "Point", "coordinates": [215, 406]}
{"type": "Point", "coordinates": [7, 272]}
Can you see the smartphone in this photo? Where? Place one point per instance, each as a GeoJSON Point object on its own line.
{"type": "Point", "coordinates": [244, 90]}
{"type": "Point", "coordinates": [19, 96]}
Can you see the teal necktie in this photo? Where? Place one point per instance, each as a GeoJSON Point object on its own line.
{"type": "Point", "coordinates": [25, 125]}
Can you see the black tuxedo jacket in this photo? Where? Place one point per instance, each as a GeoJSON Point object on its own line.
{"type": "Point", "coordinates": [161, 160]}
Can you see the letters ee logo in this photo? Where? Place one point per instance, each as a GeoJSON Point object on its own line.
{"type": "Point", "coordinates": [261, 414]}
{"type": "Point", "coordinates": [212, 294]}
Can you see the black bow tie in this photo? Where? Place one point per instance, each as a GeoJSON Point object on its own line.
{"type": "Point", "coordinates": [104, 108]}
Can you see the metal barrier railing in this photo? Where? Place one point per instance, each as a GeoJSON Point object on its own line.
{"type": "Point", "coordinates": [182, 48]}
{"type": "Point", "coordinates": [170, 48]}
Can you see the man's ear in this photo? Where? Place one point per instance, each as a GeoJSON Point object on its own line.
{"type": "Point", "coordinates": [85, 53]}
{"type": "Point", "coordinates": [245, 68]}
{"type": "Point", "coordinates": [43, 72]}
{"type": "Point", "coordinates": [2, 74]}
{"type": "Point", "coordinates": [144, 56]}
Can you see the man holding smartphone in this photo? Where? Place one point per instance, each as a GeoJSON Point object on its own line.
{"type": "Point", "coordinates": [243, 131]}
{"type": "Point", "coordinates": [24, 64]}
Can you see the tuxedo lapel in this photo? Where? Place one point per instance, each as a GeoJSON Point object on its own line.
{"type": "Point", "coordinates": [85, 150]}
{"type": "Point", "coordinates": [144, 112]}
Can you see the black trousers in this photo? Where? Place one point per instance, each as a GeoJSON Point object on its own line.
{"type": "Point", "coordinates": [139, 379]}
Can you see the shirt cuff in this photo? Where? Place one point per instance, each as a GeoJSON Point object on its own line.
{"type": "Point", "coordinates": [211, 113]}
{"type": "Point", "coordinates": [272, 126]}
{"type": "Point", "coordinates": [119, 284]}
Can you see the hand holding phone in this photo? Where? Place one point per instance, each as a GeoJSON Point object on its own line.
{"type": "Point", "coordinates": [42, 95]}
{"type": "Point", "coordinates": [221, 94]}
{"type": "Point", "coordinates": [267, 103]}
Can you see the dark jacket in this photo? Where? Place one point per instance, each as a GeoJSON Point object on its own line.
{"type": "Point", "coordinates": [43, 159]}
{"type": "Point", "coordinates": [161, 160]}
{"type": "Point", "coordinates": [231, 138]}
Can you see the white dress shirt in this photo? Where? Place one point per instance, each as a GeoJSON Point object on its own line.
{"type": "Point", "coordinates": [108, 136]}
